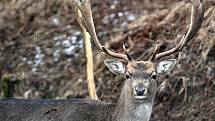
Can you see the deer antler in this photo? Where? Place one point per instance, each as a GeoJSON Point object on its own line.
{"type": "Point", "coordinates": [86, 20]}
{"type": "Point", "coordinates": [197, 17]}
{"type": "Point", "coordinates": [125, 57]}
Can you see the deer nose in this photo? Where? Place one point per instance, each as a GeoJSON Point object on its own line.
{"type": "Point", "coordinates": [140, 90]}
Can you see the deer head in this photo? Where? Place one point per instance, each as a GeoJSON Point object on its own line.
{"type": "Point", "coordinates": [141, 75]}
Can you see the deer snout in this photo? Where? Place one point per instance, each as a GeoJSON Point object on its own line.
{"type": "Point", "coordinates": [140, 90]}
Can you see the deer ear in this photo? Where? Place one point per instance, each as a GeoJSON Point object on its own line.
{"type": "Point", "coordinates": [166, 66]}
{"type": "Point", "coordinates": [115, 66]}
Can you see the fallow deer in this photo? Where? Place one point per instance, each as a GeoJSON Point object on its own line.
{"type": "Point", "coordinates": [138, 93]}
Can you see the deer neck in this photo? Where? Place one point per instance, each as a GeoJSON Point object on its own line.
{"type": "Point", "coordinates": [129, 110]}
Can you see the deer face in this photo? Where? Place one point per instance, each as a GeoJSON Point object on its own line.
{"type": "Point", "coordinates": [140, 76]}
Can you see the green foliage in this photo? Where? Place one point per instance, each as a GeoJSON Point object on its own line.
{"type": "Point", "coordinates": [8, 82]}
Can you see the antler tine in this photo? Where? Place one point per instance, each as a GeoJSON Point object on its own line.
{"type": "Point", "coordinates": [126, 52]}
{"type": "Point", "coordinates": [154, 53]}
{"type": "Point", "coordinates": [116, 55]}
{"type": "Point", "coordinates": [197, 17]}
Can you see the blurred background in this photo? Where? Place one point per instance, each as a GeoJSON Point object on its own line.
{"type": "Point", "coordinates": [42, 54]}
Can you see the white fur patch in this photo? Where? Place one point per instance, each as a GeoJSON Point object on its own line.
{"type": "Point", "coordinates": [143, 111]}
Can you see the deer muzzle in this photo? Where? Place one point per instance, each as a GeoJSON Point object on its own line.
{"type": "Point", "coordinates": [140, 92]}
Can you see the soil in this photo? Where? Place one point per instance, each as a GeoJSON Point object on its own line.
{"type": "Point", "coordinates": [41, 45]}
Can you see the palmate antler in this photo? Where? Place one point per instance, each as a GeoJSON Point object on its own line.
{"type": "Point", "coordinates": [197, 17]}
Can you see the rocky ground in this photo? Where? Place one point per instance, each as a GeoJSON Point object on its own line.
{"type": "Point", "coordinates": [40, 43]}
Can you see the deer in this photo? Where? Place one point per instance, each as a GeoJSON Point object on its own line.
{"type": "Point", "coordinates": [138, 93]}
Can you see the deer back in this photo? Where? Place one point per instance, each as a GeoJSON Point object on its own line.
{"type": "Point", "coordinates": [55, 110]}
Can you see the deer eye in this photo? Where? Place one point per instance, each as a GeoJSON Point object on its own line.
{"type": "Point", "coordinates": [153, 75]}
{"type": "Point", "coordinates": [81, 1]}
{"type": "Point", "coordinates": [127, 75]}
